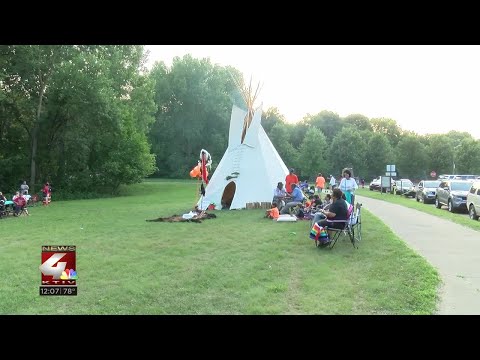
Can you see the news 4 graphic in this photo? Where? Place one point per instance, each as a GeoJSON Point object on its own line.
{"type": "Point", "coordinates": [58, 268]}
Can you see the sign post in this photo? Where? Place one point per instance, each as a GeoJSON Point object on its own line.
{"type": "Point", "coordinates": [391, 171]}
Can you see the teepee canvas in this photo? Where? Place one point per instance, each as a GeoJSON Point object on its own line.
{"type": "Point", "coordinates": [251, 166]}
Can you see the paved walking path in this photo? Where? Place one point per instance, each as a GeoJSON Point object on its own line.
{"type": "Point", "coordinates": [454, 250]}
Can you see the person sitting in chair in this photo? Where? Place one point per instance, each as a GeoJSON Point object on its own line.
{"type": "Point", "coordinates": [319, 215]}
{"type": "Point", "coordinates": [3, 210]}
{"type": "Point", "coordinates": [337, 211]}
{"type": "Point", "coordinates": [20, 204]}
{"type": "Point", "coordinates": [279, 195]}
{"type": "Point", "coordinates": [297, 199]}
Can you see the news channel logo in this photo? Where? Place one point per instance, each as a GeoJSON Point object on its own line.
{"type": "Point", "coordinates": [58, 269]}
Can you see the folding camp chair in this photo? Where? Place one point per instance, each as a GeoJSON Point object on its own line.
{"type": "Point", "coordinates": [23, 211]}
{"type": "Point", "coordinates": [352, 227]}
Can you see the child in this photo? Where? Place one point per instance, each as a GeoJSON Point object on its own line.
{"type": "Point", "coordinates": [272, 213]}
{"type": "Point", "coordinates": [309, 202]}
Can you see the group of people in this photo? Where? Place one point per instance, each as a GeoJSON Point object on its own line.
{"type": "Point", "coordinates": [292, 195]}
{"type": "Point", "coordinates": [22, 198]}
{"type": "Point", "coordinates": [19, 201]}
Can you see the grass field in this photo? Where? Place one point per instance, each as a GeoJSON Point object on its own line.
{"type": "Point", "coordinates": [426, 208]}
{"type": "Point", "coordinates": [239, 263]}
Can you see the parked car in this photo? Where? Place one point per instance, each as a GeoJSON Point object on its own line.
{"type": "Point", "coordinates": [374, 184]}
{"type": "Point", "coordinates": [426, 190]}
{"type": "Point", "coordinates": [453, 193]}
{"type": "Point", "coordinates": [446, 177]}
{"type": "Point", "coordinates": [473, 201]}
{"type": "Point", "coordinates": [404, 187]}
{"type": "Point", "coordinates": [457, 177]}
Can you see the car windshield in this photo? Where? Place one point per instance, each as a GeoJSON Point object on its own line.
{"type": "Point", "coordinates": [461, 186]}
{"type": "Point", "coordinates": [431, 184]}
{"type": "Point", "coordinates": [405, 183]}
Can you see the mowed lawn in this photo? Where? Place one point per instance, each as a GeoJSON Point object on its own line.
{"type": "Point", "coordinates": [238, 263]}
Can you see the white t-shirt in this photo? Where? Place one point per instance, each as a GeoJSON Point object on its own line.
{"type": "Point", "coordinates": [348, 185]}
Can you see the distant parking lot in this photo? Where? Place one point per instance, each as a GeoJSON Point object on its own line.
{"type": "Point", "coordinates": [443, 208]}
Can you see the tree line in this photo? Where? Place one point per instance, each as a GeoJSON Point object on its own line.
{"type": "Point", "coordinates": [89, 118]}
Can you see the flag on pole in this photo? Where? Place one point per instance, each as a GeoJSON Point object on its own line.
{"type": "Point", "coordinates": [204, 169]}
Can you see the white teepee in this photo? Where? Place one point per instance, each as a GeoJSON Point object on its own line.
{"type": "Point", "coordinates": [251, 167]}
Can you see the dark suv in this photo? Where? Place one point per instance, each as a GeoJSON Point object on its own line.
{"type": "Point", "coordinates": [453, 193]}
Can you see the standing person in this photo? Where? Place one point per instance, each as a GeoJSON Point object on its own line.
{"type": "Point", "coordinates": [348, 185]}
{"type": "Point", "coordinates": [320, 183]}
{"type": "Point", "coordinates": [333, 182]}
{"type": "Point", "coordinates": [279, 195]}
{"type": "Point", "coordinates": [24, 188]}
{"type": "Point", "coordinates": [46, 193]}
{"type": "Point", "coordinates": [362, 181]}
{"type": "Point", "coordinates": [289, 180]}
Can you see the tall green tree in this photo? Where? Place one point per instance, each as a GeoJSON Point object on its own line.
{"type": "Point", "coordinates": [439, 153]}
{"type": "Point", "coordinates": [30, 74]}
{"type": "Point", "coordinates": [326, 121]}
{"type": "Point", "coordinates": [313, 154]}
{"type": "Point", "coordinates": [297, 133]}
{"type": "Point", "coordinates": [80, 107]}
{"type": "Point", "coordinates": [271, 117]}
{"type": "Point", "coordinates": [458, 136]}
{"type": "Point", "coordinates": [411, 158]}
{"type": "Point", "coordinates": [467, 159]}
{"type": "Point", "coordinates": [379, 154]}
{"type": "Point", "coordinates": [358, 121]}
{"type": "Point", "coordinates": [389, 128]}
{"type": "Point", "coordinates": [280, 138]}
{"type": "Point", "coordinates": [194, 98]}
{"type": "Point", "coordinates": [348, 149]}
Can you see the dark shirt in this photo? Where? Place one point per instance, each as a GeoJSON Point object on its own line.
{"type": "Point", "coordinates": [339, 207]}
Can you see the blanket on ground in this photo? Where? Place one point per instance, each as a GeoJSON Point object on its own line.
{"type": "Point", "coordinates": [178, 218]}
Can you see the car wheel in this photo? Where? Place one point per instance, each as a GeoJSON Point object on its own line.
{"type": "Point", "coordinates": [437, 204]}
{"type": "Point", "coordinates": [472, 213]}
{"type": "Point", "coordinates": [450, 207]}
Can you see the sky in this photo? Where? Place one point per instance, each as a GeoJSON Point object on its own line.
{"type": "Point", "coordinates": [425, 88]}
